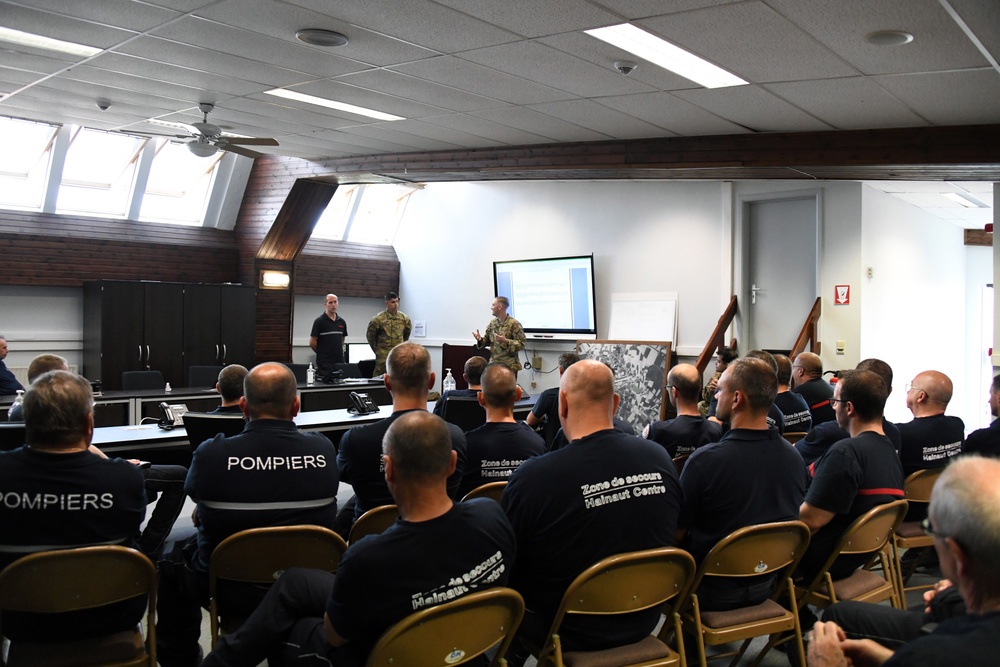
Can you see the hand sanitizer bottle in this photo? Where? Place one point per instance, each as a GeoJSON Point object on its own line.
{"type": "Point", "coordinates": [310, 375]}
{"type": "Point", "coordinates": [448, 384]}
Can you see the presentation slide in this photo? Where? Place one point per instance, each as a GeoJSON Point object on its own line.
{"type": "Point", "coordinates": [550, 295]}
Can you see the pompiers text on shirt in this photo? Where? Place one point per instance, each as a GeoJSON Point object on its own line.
{"type": "Point", "coordinates": [303, 462]}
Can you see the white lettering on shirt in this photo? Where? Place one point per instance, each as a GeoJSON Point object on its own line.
{"type": "Point", "coordinates": [265, 463]}
{"type": "Point", "coordinates": [68, 502]}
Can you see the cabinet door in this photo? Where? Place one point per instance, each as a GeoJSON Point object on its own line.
{"type": "Point", "coordinates": [164, 330]}
{"type": "Point", "coordinates": [239, 324]}
{"type": "Point", "coordinates": [202, 341]}
{"type": "Point", "coordinates": [117, 306]}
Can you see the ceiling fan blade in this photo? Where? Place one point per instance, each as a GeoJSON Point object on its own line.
{"type": "Point", "coordinates": [251, 141]}
{"type": "Point", "coordinates": [245, 152]}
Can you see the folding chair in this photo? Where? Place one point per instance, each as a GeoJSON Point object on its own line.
{"type": "Point", "coordinates": [793, 436]}
{"type": "Point", "coordinates": [750, 552]}
{"type": "Point", "coordinates": [910, 534]}
{"type": "Point", "coordinates": [260, 555]}
{"type": "Point", "coordinates": [870, 534]}
{"type": "Point", "coordinates": [77, 579]}
{"type": "Point", "coordinates": [622, 584]}
{"type": "Point", "coordinates": [452, 633]}
{"type": "Point", "coordinates": [373, 522]}
{"type": "Point", "coordinates": [489, 490]}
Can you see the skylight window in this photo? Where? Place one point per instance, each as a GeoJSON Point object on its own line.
{"type": "Point", "coordinates": [24, 162]}
{"type": "Point", "coordinates": [364, 213]}
{"type": "Point", "coordinates": [99, 173]}
{"type": "Point", "coordinates": [178, 185]}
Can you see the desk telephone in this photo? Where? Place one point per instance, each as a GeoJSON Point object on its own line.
{"type": "Point", "coordinates": [363, 404]}
{"type": "Point", "coordinates": [172, 415]}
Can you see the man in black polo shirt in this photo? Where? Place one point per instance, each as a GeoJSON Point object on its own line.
{"type": "Point", "coordinates": [986, 441]}
{"type": "Point", "coordinates": [807, 380]}
{"type": "Point", "coordinates": [689, 430]}
{"type": "Point", "coordinates": [329, 331]}
{"type": "Point", "coordinates": [931, 437]}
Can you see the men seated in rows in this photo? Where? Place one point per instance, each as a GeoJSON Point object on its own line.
{"type": "Point", "coordinates": [498, 447]}
{"type": "Point", "coordinates": [164, 483]}
{"type": "Point", "coordinates": [853, 476]}
{"type": "Point", "coordinates": [689, 430]}
{"type": "Point", "coordinates": [798, 419]}
{"type": "Point", "coordinates": [821, 437]}
{"type": "Point", "coordinates": [271, 474]}
{"type": "Point", "coordinates": [57, 495]}
{"type": "Point", "coordinates": [438, 550]}
{"type": "Point", "coordinates": [964, 521]}
{"type": "Point", "coordinates": [775, 418]}
{"type": "Point", "coordinates": [408, 378]}
{"type": "Point", "coordinates": [723, 357]}
{"type": "Point", "coordinates": [604, 493]}
{"type": "Point", "coordinates": [545, 412]}
{"type": "Point", "coordinates": [473, 373]}
{"type": "Point", "coordinates": [986, 441]}
{"type": "Point", "coordinates": [931, 437]}
{"type": "Point", "coordinates": [230, 388]}
{"type": "Point", "coordinates": [807, 381]}
{"type": "Point", "coordinates": [751, 476]}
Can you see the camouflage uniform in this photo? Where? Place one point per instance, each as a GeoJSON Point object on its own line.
{"type": "Point", "coordinates": [386, 331]}
{"type": "Point", "coordinates": [504, 353]}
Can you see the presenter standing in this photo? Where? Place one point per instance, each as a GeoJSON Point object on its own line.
{"type": "Point", "coordinates": [504, 336]}
{"type": "Point", "coordinates": [327, 337]}
{"type": "Point", "coordinates": [387, 330]}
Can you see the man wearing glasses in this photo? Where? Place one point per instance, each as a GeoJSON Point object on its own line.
{"type": "Point", "coordinates": [853, 476]}
{"type": "Point", "coordinates": [932, 437]}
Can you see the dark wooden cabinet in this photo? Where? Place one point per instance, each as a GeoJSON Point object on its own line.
{"type": "Point", "coordinates": [166, 327]}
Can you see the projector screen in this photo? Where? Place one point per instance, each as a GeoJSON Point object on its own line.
{"type": "Point", "coordinates": [551, 298]}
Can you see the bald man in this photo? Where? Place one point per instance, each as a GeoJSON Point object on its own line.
{"type": "Point", "coordinates": [271, 474]}
{"type": "Point", "coordinates": [932, 437]}
{"type": "Point", "coordinates": [689, 430]}
{"type": "Point", "coordinates": [807, 381]}
{"type": "Point", "coordinates": [604, 493]}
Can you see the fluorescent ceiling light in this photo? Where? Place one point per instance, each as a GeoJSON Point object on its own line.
{"type": "Point", "coordinates": [168, 123]}
{"type": "Point", "coordinates": [660, 52]}
{"type": "Point", "coordinates": [330, 104]}
{"type": "Point", "coordinates": [47, 43]}
{"type": "Point", "coordinates": [968, 201]}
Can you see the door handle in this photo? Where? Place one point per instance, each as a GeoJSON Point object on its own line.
{"type": "Point", "coordinates": [217, 358]}
{"type": "Point", "coordinates": [753, 292]}
{"type": "Point", "coordinates": [223, 353]}
{"type": "Point", "coordinates": [147, 357]}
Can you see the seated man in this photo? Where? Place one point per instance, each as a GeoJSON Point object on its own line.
{"type": "Point", "coordinates": [495, 449]}
{"type": "Point", "coordinates": [723, 357]}
{"type": "Point", "coordinates": [751, 476]}
{"type": "Point", "coordinates": [604, 493]}
{"type": "Point", "coordinates": [271, 474]}
{"type": "Point", "coordinates": [964, 520]}
{"type": "Point", "coordinates": [58, 495]}
{"type": "Point", "coordinates": [437, 551]}
{"type": "Point", "coordinates": [545, 412]}
{"type": "Point", "coordinates": [820, 438]}
{"type": "Point", "coordinates": [853, 476]}
{"type": "Point", "coordinates": [688, 430]}
{"type": "Point", "coordinates": [775, 418]}
{"type": "Point", "coordinates": [798, 419]}
{"type": "Point", "coordinates": [472, 373]}
{"type": "Point", "coordinates": [807, 380]}
{"type": "Point", "coordinates": [986, 441]}
{"type": "Point", "coordinates": [164, 483]}
{"type": "Point", "coordinates": [230, 388]}
{"type": "Point", "coordinates": [408, 378]}
{"type": "Point", "coordinates": [931, 437]}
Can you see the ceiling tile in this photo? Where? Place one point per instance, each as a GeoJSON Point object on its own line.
{"type": "Point", "coordinates": [116, 64]}
{"type": "Point", "coordinates": [952, 98]}
{"type": "Point", "coordinates": [61, 27]}
{"type": "Point", "coordinates": [342, 92]}
{"type": "Point", "coordinates": [401, 85]}
{"type": "Point", "coordinates": [672, 114]}
{"type": "Point", "coordinates": [536, 122]}
{"type": "Point", "coordinates": [599, 118]}
{"type": "Point", "coordinates": [444, 132]}
{"type": "Point", "coordinates": [465, 75]}
{"type": "Point", "coordinates": [482, 127]}
{"type": "Point", "coordinates": [29, 60]}
{"type": "Point", "coordinates": [129, 14]}
{"type": "Point", "coordinates": [754, 108]}
{"type": "Point", "coordinates": [640, 9]}
{"type": "Point", "coordinates": [848, 104]}
{"type": "Point", "coordinates": [983, 18]}
{"type": "Point", "coordinates": [414, 141]}
{"type": "Point", "coordinates": [530, 18]}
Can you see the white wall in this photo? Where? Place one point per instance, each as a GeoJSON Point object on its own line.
{"type": "Point", "coordinates": [914, 308]}
{"type": "Point", "coordinates": [38, 320]}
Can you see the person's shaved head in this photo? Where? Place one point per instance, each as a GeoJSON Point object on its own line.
{"type": "Point", "coordinates": [686, 381]}
{"type": "Point", "coordinates": [270, 391]}
{"type": "Point", "coordinates": [588, 382]}
{"type": "Point", "coordinates": [44, 363]}
{"type": "Point", "coordinates": [929, 394]}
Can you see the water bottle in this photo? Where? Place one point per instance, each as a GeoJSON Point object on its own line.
{"type": "Point", "coordinates": [448, 384]}
{"type": "Point", "coordinates": [18, 399]}
{"type": "Point", "coordinates": [310, 375]}
{"type": "Point", "coordinates": [167, 388]}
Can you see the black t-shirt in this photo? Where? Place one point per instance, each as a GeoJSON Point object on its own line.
{"type": "Point", "coordinates": [818, 393]}
{"type": "Point", "coordinates": [495, 450]}
{"type": "Point", "coordinates": [853, 476]}
{"type": "Point", "coordinates": [546, 409]}
{"type": "Point", "coordinates": [798, 418]}
{"type": "Point", "coordinates": [330, 336]}
{"type": "Point", "coordinates": [821, 438]}
{"type": "Point", "coordinates": [271, 474]}
{"type": "Point", "coordinates": [603, 494]}
{"type": "Point", "coordinates": [775, 418]}
{"type": "Point", "coordinates": [970, 641]}
{"type": "Point", "coordinates": [928, 442]}
{"type": "Point", "coordinates": [411, 566]}
{"type": "Point", "coordinates": [748, 477]}
{"type": "Point", "coordinates": [462, 393]}
{"type": "Point", "coordinates": [360, 463]}
{"type": "Point", "coordinates": [684, 434]}
{"type": "Point", "coordinates": [985, 441]}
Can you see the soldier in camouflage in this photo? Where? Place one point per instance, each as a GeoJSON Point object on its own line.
{"type": "Point", "coordinates": [504, 336]}
{"type": "Point", "coordinates": [387, 330]}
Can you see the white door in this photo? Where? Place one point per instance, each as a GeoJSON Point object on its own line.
{"type": "Point", "coordinates": [782, 268]}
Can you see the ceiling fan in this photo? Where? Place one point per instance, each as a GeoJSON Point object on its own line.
{"type": "Point", "coordinates": [207, 139]}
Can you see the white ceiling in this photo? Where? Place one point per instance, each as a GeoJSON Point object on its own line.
{"type": "Point", "coordinates": [490, 73]}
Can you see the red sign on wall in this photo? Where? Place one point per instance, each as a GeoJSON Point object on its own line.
{"type": "Point", "coordinates": [842, 295]}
